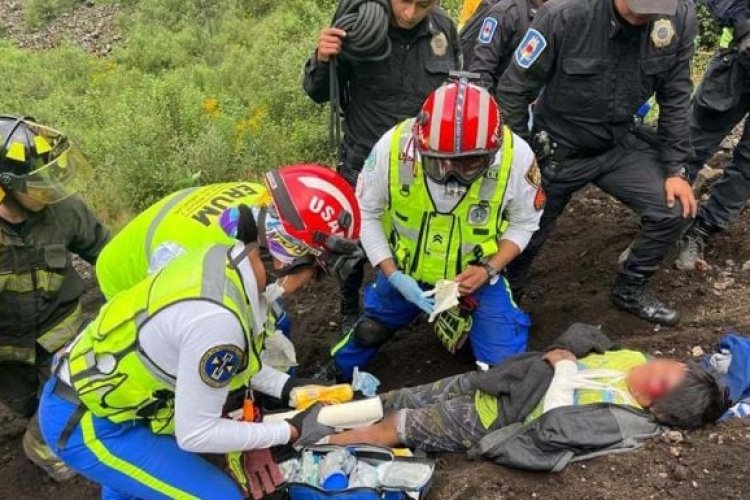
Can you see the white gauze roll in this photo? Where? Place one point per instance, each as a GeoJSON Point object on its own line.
{"type": "Point", "coordinates": [343, 416]}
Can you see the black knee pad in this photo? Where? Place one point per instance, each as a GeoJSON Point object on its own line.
{"type": "Point", "coordinates": [370, 333]}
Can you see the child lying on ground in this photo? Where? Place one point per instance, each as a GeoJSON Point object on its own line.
{"type": "Point", "coordinates": [599, 401]}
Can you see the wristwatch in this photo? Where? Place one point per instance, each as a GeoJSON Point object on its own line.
{"type": "Point", "coordinates": [491, 271]}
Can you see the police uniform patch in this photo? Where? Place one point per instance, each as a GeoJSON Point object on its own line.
{"type": "Point", "coordinates": [219, 364]}
{"type": "Point", "coordinates": [439, 44]}
{"type": "Point", "coordinates": [487, 33]}
{"type": "Point", "coordinates": [662, 33]}
{"type": "Point", "coordinates": [479, 215]}
{"type": "Point", "coordinates": [534, 175]}
{"type": "Point", "coordinates": [530, 48]}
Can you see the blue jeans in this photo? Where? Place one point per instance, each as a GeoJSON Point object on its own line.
{"type": "Point", "coordinates": [128, 460]}
{"type": "Point", "coordinates": [499, 330]}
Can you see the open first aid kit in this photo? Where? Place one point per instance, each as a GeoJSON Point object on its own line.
{"type": "Point", "coordinates": [356, 472]}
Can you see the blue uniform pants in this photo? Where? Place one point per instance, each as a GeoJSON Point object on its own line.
{"type": "Point", "coordinates": [128, 460]}
{"type": "Point", "coordinates": [499, 330]}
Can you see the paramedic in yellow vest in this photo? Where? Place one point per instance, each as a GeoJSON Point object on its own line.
{"type": "Point", "coordinates": [41, 226]}
{"type": "Point", "coordinates": [140, 392]}
{"type": "Point", "coordinates": [449, 195]}
{"type": "Point", "coordinates": [190, 219]}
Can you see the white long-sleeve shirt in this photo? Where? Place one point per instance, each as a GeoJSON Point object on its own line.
{"type": "Point", "coordinates": [373, 196]}
{"type": "Point", "coordinates": [175, 342]}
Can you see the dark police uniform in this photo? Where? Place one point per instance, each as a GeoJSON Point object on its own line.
{"type": "Point", "coordinates": [380, 94]}
{"type": "Point", "coordinates": [596, 70]}
{"type": "Point", "coordinates": [470, 30]}
{"type": "Point", "coordinates": [40, 293]}
{"type": "Point", "coordinates": [721, 102]}
{"type": "Point", "coordinates": [501, 30]}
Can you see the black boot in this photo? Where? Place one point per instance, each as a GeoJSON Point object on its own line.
{"type": "Point", "coordinates": [692, 245]}
{"type": "Point", "coordinates": [629, 294]}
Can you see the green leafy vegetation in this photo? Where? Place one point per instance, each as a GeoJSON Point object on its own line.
{"type": "Point", "coordinates": [201, 91]}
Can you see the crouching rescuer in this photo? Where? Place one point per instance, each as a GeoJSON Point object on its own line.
{"type": "Point", "coordinates": [140, 392]}
{"type": "Point", "coordinates": [449, 195]}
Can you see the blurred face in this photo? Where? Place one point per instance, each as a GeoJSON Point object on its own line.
{"type": "Point", "coordinates": [649, 382]}
{"type": "Point", "coordinates": [631, 17]}
{"type": "Point", "coordinates": [408, 13]}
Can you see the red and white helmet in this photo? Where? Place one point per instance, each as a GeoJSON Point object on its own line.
{"type": "Point", "coordinates": [316, 206]}
{"type": "Point", "coordinates": [459, 122]}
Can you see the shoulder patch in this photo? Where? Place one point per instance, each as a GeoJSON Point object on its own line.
{"type": "Point", "coordinates": [487, 33]}
{"type": "Point", "coordinates": [534, 175]}
{"type": "Point", "coordinates": [530, 48]}
{"type": "Point", "coordinates": [219, 364]}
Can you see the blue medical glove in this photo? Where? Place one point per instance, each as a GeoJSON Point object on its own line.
{"type": "Point", "coordinates": [409, 288]}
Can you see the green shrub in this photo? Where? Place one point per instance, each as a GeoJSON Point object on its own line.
{"type": "Point", "coordinates": [203, 91]}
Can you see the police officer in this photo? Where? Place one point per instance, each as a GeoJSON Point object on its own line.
{"type": "Point", "coordinates": [597, 62]}
{"type": "Point", "coordinates": [502, 27]}
{"type": "Point", "coordinates": [379, 94]}
{"type": "Point", "coordinates": [450, 195]}
{"type": "Point", "coordinates": [470, 21]}
{"type": "Point", "coordinates": [40, 291]}
{"type": "Point", "coordinates": [139, 393]}
{"type": "Point", "coordinates": [721, 102]}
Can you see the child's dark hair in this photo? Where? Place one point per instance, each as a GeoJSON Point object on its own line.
{"type": "Point", "coordinates": [697, 401]}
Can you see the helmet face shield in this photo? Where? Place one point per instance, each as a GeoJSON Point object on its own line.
{"type": "Point", "coordinates": [47, 167]}
{"type": "Point", "coordinates": [463, 169]}
{"type": "Point", "coordinates": [67, 174]}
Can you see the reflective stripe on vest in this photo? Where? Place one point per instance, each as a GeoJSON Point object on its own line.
{"type": "Point", "coordinates": [429, 245]}
{"type": "Point", "coordinates": [51, 340]}
{"type": "Point", "coordinates": [39, 279]}
{"type": "Point", "coordinates": [57, 336]}
{"type": "Point", "coordinates": [113, 377]}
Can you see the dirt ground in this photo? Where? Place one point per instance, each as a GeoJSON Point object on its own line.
{"type": "Point", "coordinates": [571, 283]}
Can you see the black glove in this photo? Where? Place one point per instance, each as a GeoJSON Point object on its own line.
{"type": "Point", "coordinates": [341, 265]}
{"type": "Point", "coordinates": [310, 430]}
{"type": "Point", "coordinates": [247, 230]}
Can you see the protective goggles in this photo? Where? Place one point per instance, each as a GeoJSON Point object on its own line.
{"type": "Point", "coordinates": [66, 172]}
{"type": "Point", "coordinates": [463, 169]}
{"type": "Point", "coordinates": [283, 247]}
